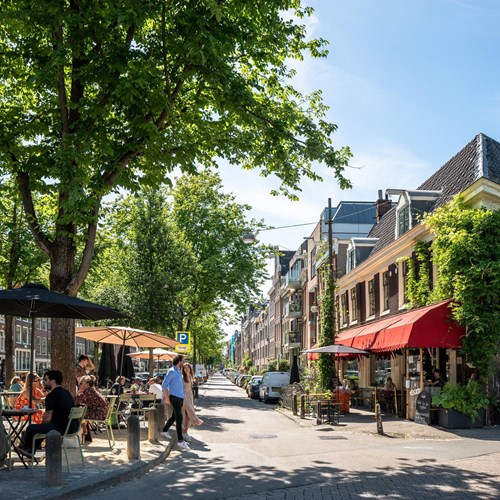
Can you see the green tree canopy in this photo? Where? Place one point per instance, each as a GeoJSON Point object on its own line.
{"type": "Point", "coordinates": [97, 96]}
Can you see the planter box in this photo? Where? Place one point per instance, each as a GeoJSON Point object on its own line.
{"type": "Point", "coordinates": [452, 419]}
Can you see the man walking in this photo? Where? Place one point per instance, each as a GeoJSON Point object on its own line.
{"type": "Point", "coordinates": [173, 394]}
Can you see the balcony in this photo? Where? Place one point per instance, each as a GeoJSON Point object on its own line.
{"type": "Point", "coordinates": [293, 339]}
{"type": "Point", "coordinates": [293, 309]}
{"type": "Point", "coordinates": [292, 280]}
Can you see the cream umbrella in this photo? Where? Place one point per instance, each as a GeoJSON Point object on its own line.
{"type": "Point", "coordinates": [124, 336]}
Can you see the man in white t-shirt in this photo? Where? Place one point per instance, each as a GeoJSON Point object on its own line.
{"type": "Point", "coordinates": [155, 388]}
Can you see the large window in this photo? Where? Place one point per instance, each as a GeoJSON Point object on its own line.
{"type": "Point", "coordinates": [405, 268]}
{"type": "Point", "coordinates": [26, 335]}
{"type": "Point", "coordinates": [385, 291]}
{"type": "Point", "coordinates": [350, 260]}
{"type": "Point", "coordinates": [371, 298]}
{"type": "Point", "coordinates": [19, 334]}
{"type": "Point", "coordinates": [354, 305]}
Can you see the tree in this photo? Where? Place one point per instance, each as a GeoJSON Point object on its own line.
{"type": "Point", "coordinates": [98, 96]}
{"type": "Point", "coordinates": [20, 260]}
{"type": "Point", "coordinates": [326, 363]}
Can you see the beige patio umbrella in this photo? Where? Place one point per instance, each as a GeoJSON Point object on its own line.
{"type": "Point", "coordinates": [124, 336]}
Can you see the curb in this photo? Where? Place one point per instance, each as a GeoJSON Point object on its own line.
{"type": "Point", "coordinates": [135, 470]}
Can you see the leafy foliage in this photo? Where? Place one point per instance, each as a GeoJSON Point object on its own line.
{"type": "Point", "coordinates": [466, 249]}
{"type": "Point", "coordinates": [418, 288]}
{"type": "Point", "coordinates": [326, 362]}
{"type": "Point", "coordinates": [466, 399]}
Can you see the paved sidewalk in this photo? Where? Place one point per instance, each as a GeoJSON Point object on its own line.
{"type": "Point", "coordinates": [103, 468]}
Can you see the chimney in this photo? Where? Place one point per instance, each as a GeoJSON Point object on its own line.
{"type": "Point", "coordinates": [382, 205]}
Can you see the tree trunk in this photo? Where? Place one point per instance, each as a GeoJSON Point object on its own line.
{"type": "Point", "coordinates": [9, 349]}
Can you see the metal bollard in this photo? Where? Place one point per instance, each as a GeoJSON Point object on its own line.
{"type": "Point", "coordinates": [294, 404]}
{"type": "Point", "coordinates": [53, 459]}
{"type": "Point", "coordinates": [160, 416]}
{"type": "Point", "coordinates": [133, 438]}
{"type": "Point", "coordinates": [302, 406]}
{"type": "Point", "coordinates": [378, 416]}
{"type": "Point", "coordinates": [153, 433]}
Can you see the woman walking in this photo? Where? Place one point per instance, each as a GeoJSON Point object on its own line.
{"type": "Point", "coordinates": [189, 418]}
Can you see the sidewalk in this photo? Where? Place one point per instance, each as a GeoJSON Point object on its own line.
{"type": "Point", "coordinates": [103, 468]}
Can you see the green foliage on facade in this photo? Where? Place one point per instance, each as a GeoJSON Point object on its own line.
{"type": "Point", "coordinates": [326, 366]}
{"type": "Point", "coordinates": [466, 249]}
{"type": "Point", "coordinates": [418, 288]}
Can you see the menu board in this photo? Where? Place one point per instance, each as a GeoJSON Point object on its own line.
{"type": "Point", "coordinates": [423, 408]}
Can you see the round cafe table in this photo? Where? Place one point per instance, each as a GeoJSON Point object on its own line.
{"type": "Point", "coordinates": [17, 424]}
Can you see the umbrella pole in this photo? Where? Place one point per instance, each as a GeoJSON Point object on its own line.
{"type": "Point", "coordinates": [123, 357]}
{"type": "Point", "coordinates": [32, 358]}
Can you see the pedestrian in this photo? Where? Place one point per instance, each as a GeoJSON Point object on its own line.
{"type": "Point", "coordinates": [189, 418]}
{"type": "Point", "coordinates": [83, 368]}
{"type": "Point", "coordinates": [173, 394]}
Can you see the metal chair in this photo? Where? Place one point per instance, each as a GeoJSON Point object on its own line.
{"type": "Point", "coordinates": [147, 402]}
{"type": "Point", "coordinates": [107, 420]}
{"type": "Point", "coordinates": [76, 414]}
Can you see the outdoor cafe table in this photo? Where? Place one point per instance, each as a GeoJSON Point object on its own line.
{"type": "Point", "coordinates": [7, 395]}
{"type": "Point", "coordinates": [17, 424]}
{"type": "Point", "coordinates": [327, 410]}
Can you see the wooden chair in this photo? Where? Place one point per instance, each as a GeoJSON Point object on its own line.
{"type": "Point", "coordinates": [76, 414]}
{"type": "Point", "coordinates": [107, 420]}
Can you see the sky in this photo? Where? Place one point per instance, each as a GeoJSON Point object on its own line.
{"type": "Point", "coordinates": [408, 82]}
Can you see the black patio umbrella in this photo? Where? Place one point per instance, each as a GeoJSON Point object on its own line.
{"type": "Point", "coordinates": [37, 301]}
{"type": "Point", "coordinates": [126, 365]}
{"type": "Point", "coordinates": [107, 364]}
{"type": "Point", "coordinates": [294, 371]}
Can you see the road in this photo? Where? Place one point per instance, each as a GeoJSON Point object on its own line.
{"type": "Point", "coordinates": [248, 450]}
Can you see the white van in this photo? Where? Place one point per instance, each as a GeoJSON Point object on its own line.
{"type": "Point", "coordinates": [200, 373]}
{"type": "Point", "coordinates": [271, 384]}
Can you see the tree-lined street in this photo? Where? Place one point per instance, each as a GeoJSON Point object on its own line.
{"type": "Point", "coordinates": [250, 450]}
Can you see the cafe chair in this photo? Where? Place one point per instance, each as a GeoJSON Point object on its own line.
{"type": "Point", "coordinates": [107, 420]}
{"type": "Point", "coordinates": [76, 414]}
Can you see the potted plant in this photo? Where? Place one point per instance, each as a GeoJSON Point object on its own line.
{"type": "Point", "coordinates": [461, 406]}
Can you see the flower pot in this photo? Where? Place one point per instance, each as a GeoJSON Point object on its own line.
{"type": "Point", "coordinates": [452, 419]}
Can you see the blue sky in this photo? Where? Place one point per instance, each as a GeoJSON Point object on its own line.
{"type": "Point", "coordinates": [408, 82]}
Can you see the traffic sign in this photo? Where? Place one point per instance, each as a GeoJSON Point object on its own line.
{"type": "Point", "coordinates": [184, 338]}
{"type": "Point", "coordinates": [181, 349]}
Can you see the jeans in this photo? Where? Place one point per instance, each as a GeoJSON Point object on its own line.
{"type": "Point", "coordinates": [176, 416]}
{"type": "Point", "coordinates": [33, 429]}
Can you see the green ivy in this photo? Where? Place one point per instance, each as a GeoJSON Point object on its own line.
{"type": "Point", "coordinates": [326, 365]}
{"type": "Point", "coordinates": [418, 289]}
{"type": "Point", "coordinates": [466, 249]}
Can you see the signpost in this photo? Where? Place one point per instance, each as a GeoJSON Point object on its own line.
{"type": "Point", "coordinates": [184, 345]}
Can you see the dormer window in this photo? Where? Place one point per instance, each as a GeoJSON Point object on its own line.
{"type": "Point", "coordinates": [359, 250]}
{"type": "Point", "coordinates": [411, 206]}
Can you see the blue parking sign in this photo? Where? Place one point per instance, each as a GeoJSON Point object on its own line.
{"type": "Point", "coordinates": [184, 338]}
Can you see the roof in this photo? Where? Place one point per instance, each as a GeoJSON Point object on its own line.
{"type": "Point", "coordinates": [480, 158]}
{"type": "Point", "coordinates": [355, 212]}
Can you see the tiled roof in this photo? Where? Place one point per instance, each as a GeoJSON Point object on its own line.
{"type": "Point", "coordinates": [479, 158]}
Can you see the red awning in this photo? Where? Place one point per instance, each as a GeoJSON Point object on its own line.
{"type": "Point", "coordinates": [429, 326]}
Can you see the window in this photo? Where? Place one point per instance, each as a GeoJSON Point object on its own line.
{"type": "Point", "coordinates": [351, 264]}
{"type": "Point", "coordinates": [19, 334]}
{"type": "Point", "coordinates": [354, 305]}
{"type": "Point", "coordinates": [403, 220]}
{"type": "Point", "coordinates": [337, 310]}
{"type": "Point", "coordinates": [44, 346]}
{"type": "Point", "coordinates": [404, 273]}
{"type": "Point", "coordinates": [2, 341]}
{"type": "Point", "coordinates": [344, 309]}
{"type": "Point", "coordinates": [26, 335]}
{"type": "Point", "coordinates": [371, 298]}
{"type": "Point", "coordinates": [39, 345]}
{"type": "Point", "coordinates": [385, 291]}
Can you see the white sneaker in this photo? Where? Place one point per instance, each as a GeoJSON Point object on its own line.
{"type": "Point", "coordinates": [183, 446]}
{"type": "Point", "coordinates": [187, 437]}
{"type": "Point", "coordinates": [166, 435]}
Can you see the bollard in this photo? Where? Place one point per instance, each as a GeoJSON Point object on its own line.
{"type": "Point", "coordinates": [160, 415]}
{"type": "Point", "coordinates": [153, 433]}
{"type": "Point", "coordinates": [302, 406]}
{"type": "Point", "coordinates": [294, 404]}
{"type": "Point", "coordinates": [133, 438]}
{"type": "Point", "coordinates": [53, 459]}
{"type": "Point", "coordinates": [378, 416]}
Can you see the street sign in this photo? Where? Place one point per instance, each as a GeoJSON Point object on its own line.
{"type": "Point", "coordinates": [181, 349]}
{"type": "Point", "coordinates": [183, 338]}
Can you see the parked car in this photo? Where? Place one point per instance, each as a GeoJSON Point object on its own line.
{"type": "Point", "coordinates": [271, 384]}
{"type": "Point", "coordinates": [253, 386]}
{"type": "Point", "coordinates": [242, 380]}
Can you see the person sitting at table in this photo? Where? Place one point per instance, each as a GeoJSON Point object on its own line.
{"type": "Point", "coordinates": [118, 386]}
{"type": "Point", "coordinates": [16, 385]}
{"type": "Point", "coordinates": [389, 385]}
{"type": "Point", "coordinates": [97, 405]}
{"type": "Point", "coordinates": [23, 400]}
{"type": "Point", "coordinates": [83, 367]}
{"type": "Point", "coordinates": [154, 387]}
{"type": "Point", "coordinates": [438, 380]}
{"type": "Point", "coordinates": [58, 404]}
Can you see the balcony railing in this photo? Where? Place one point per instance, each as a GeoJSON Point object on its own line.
{"type": "Point", "coordinates": [293, 309]}
{"type": "Point", "coordinates": [293, 339]}
{"type": "Point", "coordinates": [292, 280]}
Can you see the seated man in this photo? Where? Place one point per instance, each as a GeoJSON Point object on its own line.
{"type": "Point", "coordinates": [58, 404]}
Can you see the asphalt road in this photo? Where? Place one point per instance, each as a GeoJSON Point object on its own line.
{"type": "Point", "coordinates": [248, 450]}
